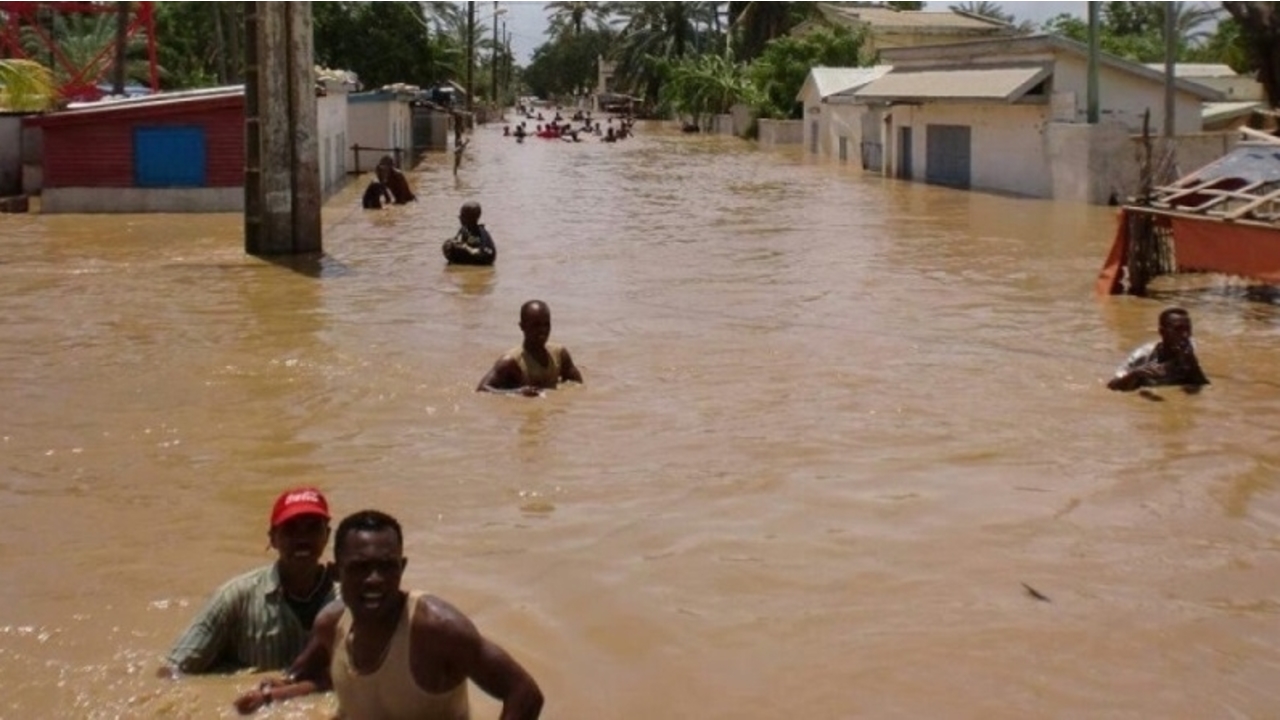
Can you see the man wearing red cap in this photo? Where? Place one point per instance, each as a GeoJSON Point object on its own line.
{"type": "Point", "coordinates": [262, 619]}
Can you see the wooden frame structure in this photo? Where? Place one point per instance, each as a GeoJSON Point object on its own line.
{"type": "Point", "coordinates": [1224, 218]}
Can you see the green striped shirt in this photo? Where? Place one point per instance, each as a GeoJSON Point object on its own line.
{"type": "Point", "coordinates": [246, 624]}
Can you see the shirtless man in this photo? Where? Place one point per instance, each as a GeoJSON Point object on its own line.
{"type": "Point", "coordinates": [391, 654]}
{"type": "Point", "coordinates": [536, 365]}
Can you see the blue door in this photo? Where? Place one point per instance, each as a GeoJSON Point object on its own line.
{"type": "Point", "coordinates": [947, 155]}
{"type": "Point", "coordinates": [170, 156]}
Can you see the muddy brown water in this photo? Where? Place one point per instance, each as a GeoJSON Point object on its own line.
{"type": "Point", "coordinates": [831, 424]}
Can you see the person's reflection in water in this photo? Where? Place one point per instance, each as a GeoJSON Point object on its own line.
{"type": "Point", "coordinates": [471, 279]}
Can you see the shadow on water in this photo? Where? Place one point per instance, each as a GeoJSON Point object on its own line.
{"type": "Point", "coordinates": [317, 266]}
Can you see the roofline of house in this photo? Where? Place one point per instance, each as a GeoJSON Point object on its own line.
{"type": "Point", "coordinates": [828, 10]}
{"type": "Point", "coordinates": [134, 108]}
{"type": "Point", "coordinates": [893, 56]}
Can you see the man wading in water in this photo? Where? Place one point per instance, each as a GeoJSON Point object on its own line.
{"type": "Point", "coordinates": [1170, 361]}
{"type": "Point", "coordinates": [536, 365]}
{"type": "Point", "coordinates": [395, 655]}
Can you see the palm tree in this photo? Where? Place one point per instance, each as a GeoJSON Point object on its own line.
{"type": "Point", "coordinates": [653, 35]}
{"type": "Point", "coordinates": [983, 8]}
{"type": "Point", "coordinates": [26, 85]}
{"type": "Point", "coordinates": [568, 18]}
{"type": "Point", "coordinates": [754, 24]}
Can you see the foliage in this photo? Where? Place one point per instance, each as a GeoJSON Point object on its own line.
{"type": "Point", "coordinates": [571, 18]}
{"type": "Point", "coordinates": [1135, 30]}
{"type": "Point", "coordinates": [654, 35]}
{"type": "Point", "coordinates": [754, 24]}
{"type": "Point", "coordinates": [1259, 28]}
{"type": "Point", "coordinates": [706, 85]}
{"type": "Point", "coordinates": [567, 65]}
{"type": "Point", "coordinates": [983, 8]}
{"type": "Point", "coordinates": [200, 44]}
{"type": "Point", "coordinates": [780, 71]}
{"type": "Point", "coordinates": [26, 85]}
{"type": "Point", "coordinates": [82, 39]}
{"type": "Point", "coordinates": [383, 43]}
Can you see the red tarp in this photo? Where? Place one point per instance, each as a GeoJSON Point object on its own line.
{"type": "Point", "coordinates": [1202, 245]}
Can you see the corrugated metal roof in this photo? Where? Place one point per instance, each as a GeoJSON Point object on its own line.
{"type": "Point", "coordinates": [884, 18]}
{"type": "Point", "coordinates": [829, 81]}
{"type": "Point", "coordinates": [1196, 70]}
{"type": "Point", "coordinates": [1219, 111]}
{"type": "Point", "coordinates": [1004, 84]}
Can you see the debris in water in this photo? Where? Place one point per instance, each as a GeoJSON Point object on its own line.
{"type": "Point", "coordinates": [1036, 593]}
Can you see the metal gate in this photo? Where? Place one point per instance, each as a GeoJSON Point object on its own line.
{"type": "Point", "coordinates": [947, 155]}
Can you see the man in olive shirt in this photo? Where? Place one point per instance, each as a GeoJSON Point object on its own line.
{"type": "Point", "coordinates": [261, 619]}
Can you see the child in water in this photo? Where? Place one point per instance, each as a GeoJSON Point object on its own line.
{"type": "Point", "coordinates": [473, 244]}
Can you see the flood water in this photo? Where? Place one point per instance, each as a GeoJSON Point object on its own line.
{"type": "Point", "coordinates": [831, 425]}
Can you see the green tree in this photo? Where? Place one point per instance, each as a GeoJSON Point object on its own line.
{"type": "Point", "coordinates": [383, 43]}
{"type": "Point", "coordinates": [780, 71]}
{"type": "Point", "coordinates": [754, 24]}
{"type": "Point", "coordinates": [26, 85]}
{"type": "Point", "coordinates": [654, 35]}
{"type": "Point", "coordinates": [706, 85]}
{"type": "Point", "coordinates": [983, 8]}
{"type": "Point", "coordinates": [1259, 25]}
{"type": "Point", "coordinates": [571, 18]}
{"type": "Point", "coordinates": [567, 65]}
{"type": "Point", "coordinates": [201, 43]}
{"type": "Point", "coordinates": [85, 42]}
{"type": "Point", "coordinates": [1135, 30]}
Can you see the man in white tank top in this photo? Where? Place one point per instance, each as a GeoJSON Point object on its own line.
{"type": "Point", "coordinates": [390, 654]}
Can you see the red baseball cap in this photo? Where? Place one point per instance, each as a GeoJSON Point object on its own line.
{"type": "Point", "coordinates": [299, 501]}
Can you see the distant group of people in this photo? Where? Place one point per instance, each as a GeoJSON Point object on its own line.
{"type": "Point", "coordinates": [559, 128]}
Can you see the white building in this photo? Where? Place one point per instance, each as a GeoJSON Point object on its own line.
{"type": "Point", "coordinates": [380, 122]}
{"type": "Point", "coordinates": [834, 130]}
{"type": "Point", "coordinates": [1009, 115]}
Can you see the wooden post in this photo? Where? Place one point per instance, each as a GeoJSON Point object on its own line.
{"type": "Point", "coordinates": [282, 158]}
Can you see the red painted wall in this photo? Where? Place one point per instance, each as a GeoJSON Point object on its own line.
{"type": "Point", "coordinates": [100, 153]}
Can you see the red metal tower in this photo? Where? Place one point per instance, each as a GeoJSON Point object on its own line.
{"type": "Point", "coordinates": [34, 20]}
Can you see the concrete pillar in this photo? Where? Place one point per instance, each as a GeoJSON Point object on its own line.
{"type": "Point", "coordinates": [282, 195]}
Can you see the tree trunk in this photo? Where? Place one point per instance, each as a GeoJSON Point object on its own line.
{"type": "Point", "coordinates": [219, 44]}
{"type": "Point", "coordinates": [122, 48]}
{"type": "Point", "coordinates": [1260, 26]}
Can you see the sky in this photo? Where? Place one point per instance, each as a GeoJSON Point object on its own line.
{"type": "Point", "coordinates": [527, 21]}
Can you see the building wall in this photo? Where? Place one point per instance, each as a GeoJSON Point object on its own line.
{"type": "Point", "coordinates": [844, 122]}
{"type": "Point", "coordinates": [1007, 144]}
{"type": "Point", "coordinates": [10, 154]}
{"type": "Point", "coordinates": [331, 122]}
{"type": "Point", "coordinates": [100, 154]}
{"type": "Point", "coordinates": [772, 133]}
{"type": "Point", "coordinates": [141, 200]}
{"type": "Point", "coordinates": [1124, 97]}
{"type": "Point", "coordinates": [382, 125]}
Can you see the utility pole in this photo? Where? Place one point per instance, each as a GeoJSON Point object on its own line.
{"type": "Point", "coordinates": [1091, 88]}
{"type": "Point", "coordinates": [493, 60]}
{"type": "Point", "coordinates": [282, 156]}
{"type": "Point", "coordinates": [1170, 57]}
{"type": "Point", "coordinates": [471, 56]}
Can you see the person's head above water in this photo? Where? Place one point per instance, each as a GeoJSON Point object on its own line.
{"type": "Point", "coordinates": [469, 215]}
{"type": "Point", "coordinates": [1175, 329]}
{"type": "Point", "coordinates": [535, 323]}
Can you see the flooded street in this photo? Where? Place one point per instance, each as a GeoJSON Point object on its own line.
{"type": "Point", "coordinates": [831, 425]}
